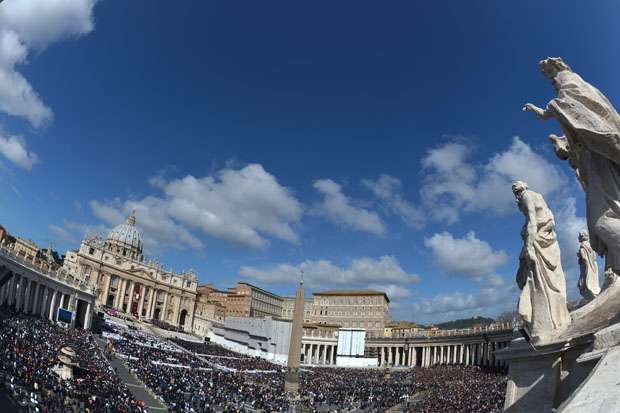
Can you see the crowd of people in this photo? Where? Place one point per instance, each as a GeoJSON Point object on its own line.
{"type": "Point", "coordinates": [192, 377]}
{"type": "Point", "coordinates": [29, 350]}
{"type": "Point", "coordinates": [227, 358]}
{"type": "Point", "coordinates": [205, 378]}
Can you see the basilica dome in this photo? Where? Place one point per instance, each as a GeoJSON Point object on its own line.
{"type": "Point", "coordinates": [126, 238]}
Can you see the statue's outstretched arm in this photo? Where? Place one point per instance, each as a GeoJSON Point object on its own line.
{"type": "Point", "coordinates": [541, 113]}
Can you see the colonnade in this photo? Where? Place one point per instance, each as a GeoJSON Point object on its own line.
{"type": "Point", "coordinates": [31, 292]}
{"type": "Point", "coordinates": [425, 355]}
{"type": "Point", "coordinates": [319, 353]}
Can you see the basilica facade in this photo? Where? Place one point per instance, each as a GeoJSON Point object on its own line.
{"type": "Point", "coordinates": [127, 282]}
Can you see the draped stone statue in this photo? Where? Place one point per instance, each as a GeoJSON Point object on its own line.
{"type": "Point", "coordinates": [542, 304]}
{"type": "Point", "coordinates": [591, 144]}
{"type": "Point", "coordinates": [588, 278]}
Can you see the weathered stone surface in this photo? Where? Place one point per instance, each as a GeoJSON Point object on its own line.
{"type": "Point", "coordinates": [598, 393]}
{"type": "Point", "coordinates": [542, 304]}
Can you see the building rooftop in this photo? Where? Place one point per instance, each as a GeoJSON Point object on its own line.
{"type": "Point", "coordinates": [252, 286]}
{"type": "Point", "coordinates": [352, 292]}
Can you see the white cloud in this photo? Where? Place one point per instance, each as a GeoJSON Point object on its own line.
{"type": "Point", "coordinates": [323, 273]}
{"type": "Point", "coordinates": [389, 190]}
{"type": "Point", "coordinates": [61, 233]}
{"type": "Point", "coordinates": [34, 24]}
{"type": "Point", "coordinates": [468, 256]}
{"type": "Point", "coordinates": [340, 209]}
{"type": "Point", "coordinates": [87, 229]}
{"type": "Point", "coordinates": [17, 97]}
{"type": "Point", "coordinates": [454, 184]}
{"type": "Point", "coordinates": [487, 301]}
{"type": "Point", "coordinates": [14, 149]}
{"type": "Point", "coordinates": [41, 22]}
{"type": "Point", "coordinates": [394, 292]}
{"type": "Point", "coordinates": [243, 206]}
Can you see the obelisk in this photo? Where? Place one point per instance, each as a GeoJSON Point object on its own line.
{"type": "Point", "coordinates": [291, 383]}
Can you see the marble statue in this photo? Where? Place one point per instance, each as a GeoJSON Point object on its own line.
{"type": "Point", "coordinates": [588, 278]}
{"type": "Point", "coordinates": [591, 144]}
{"type": "Point", "coordinates": [542, 304]}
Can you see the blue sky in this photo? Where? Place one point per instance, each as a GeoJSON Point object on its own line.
{"type": "Point", "coordinates": [371, 144]}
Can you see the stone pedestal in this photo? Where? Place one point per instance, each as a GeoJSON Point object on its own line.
{"type": "Point", "coordinates": [540, 379]}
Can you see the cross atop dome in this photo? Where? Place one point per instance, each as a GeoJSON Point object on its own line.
{"type": "Point", "coordinates": [131, 219]}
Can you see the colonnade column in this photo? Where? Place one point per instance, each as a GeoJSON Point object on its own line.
{"type": "Point", "coordinates": [44, 299]}
{"type": "Point", "coordinates": [52, 305]}
{"type": "Point", "coordinates": [26, 303]}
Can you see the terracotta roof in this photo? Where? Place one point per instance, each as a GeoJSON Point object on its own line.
{"type": "Point", "coordinates": [352, 292]}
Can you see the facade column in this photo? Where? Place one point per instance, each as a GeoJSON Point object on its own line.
{"type": "Point", "coordinates": [164, 308]}
{"type": "Point", "coordinates": [149, 311]}
{"type": "Point", "coordinates": [461, 354]}
{"type": "Point", "coordinates": [132, 285]}
{"type": "Point", "coordinates": [324, 354]}
{"type": "Point", "coordinates": [177, 312]}
{"type": "Point", "coordinates": [117, 295]}
{"type": "Point", "coordinates": [106, 289]}
{"type": "Point", "coordinates": [398, 360]}
{"type": "Point", "coordinates": [441, 355]}
{"type": "Point", "coordinates": [141, 304]}
{"type": "Point", "coordinates": [121, 298]}
{"type": "Point", "coordinates": [120, 290]}
{"type": "Point", "coordinates": [88, 316]}
{"type": "Point", "coordinates": [381, 356]}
